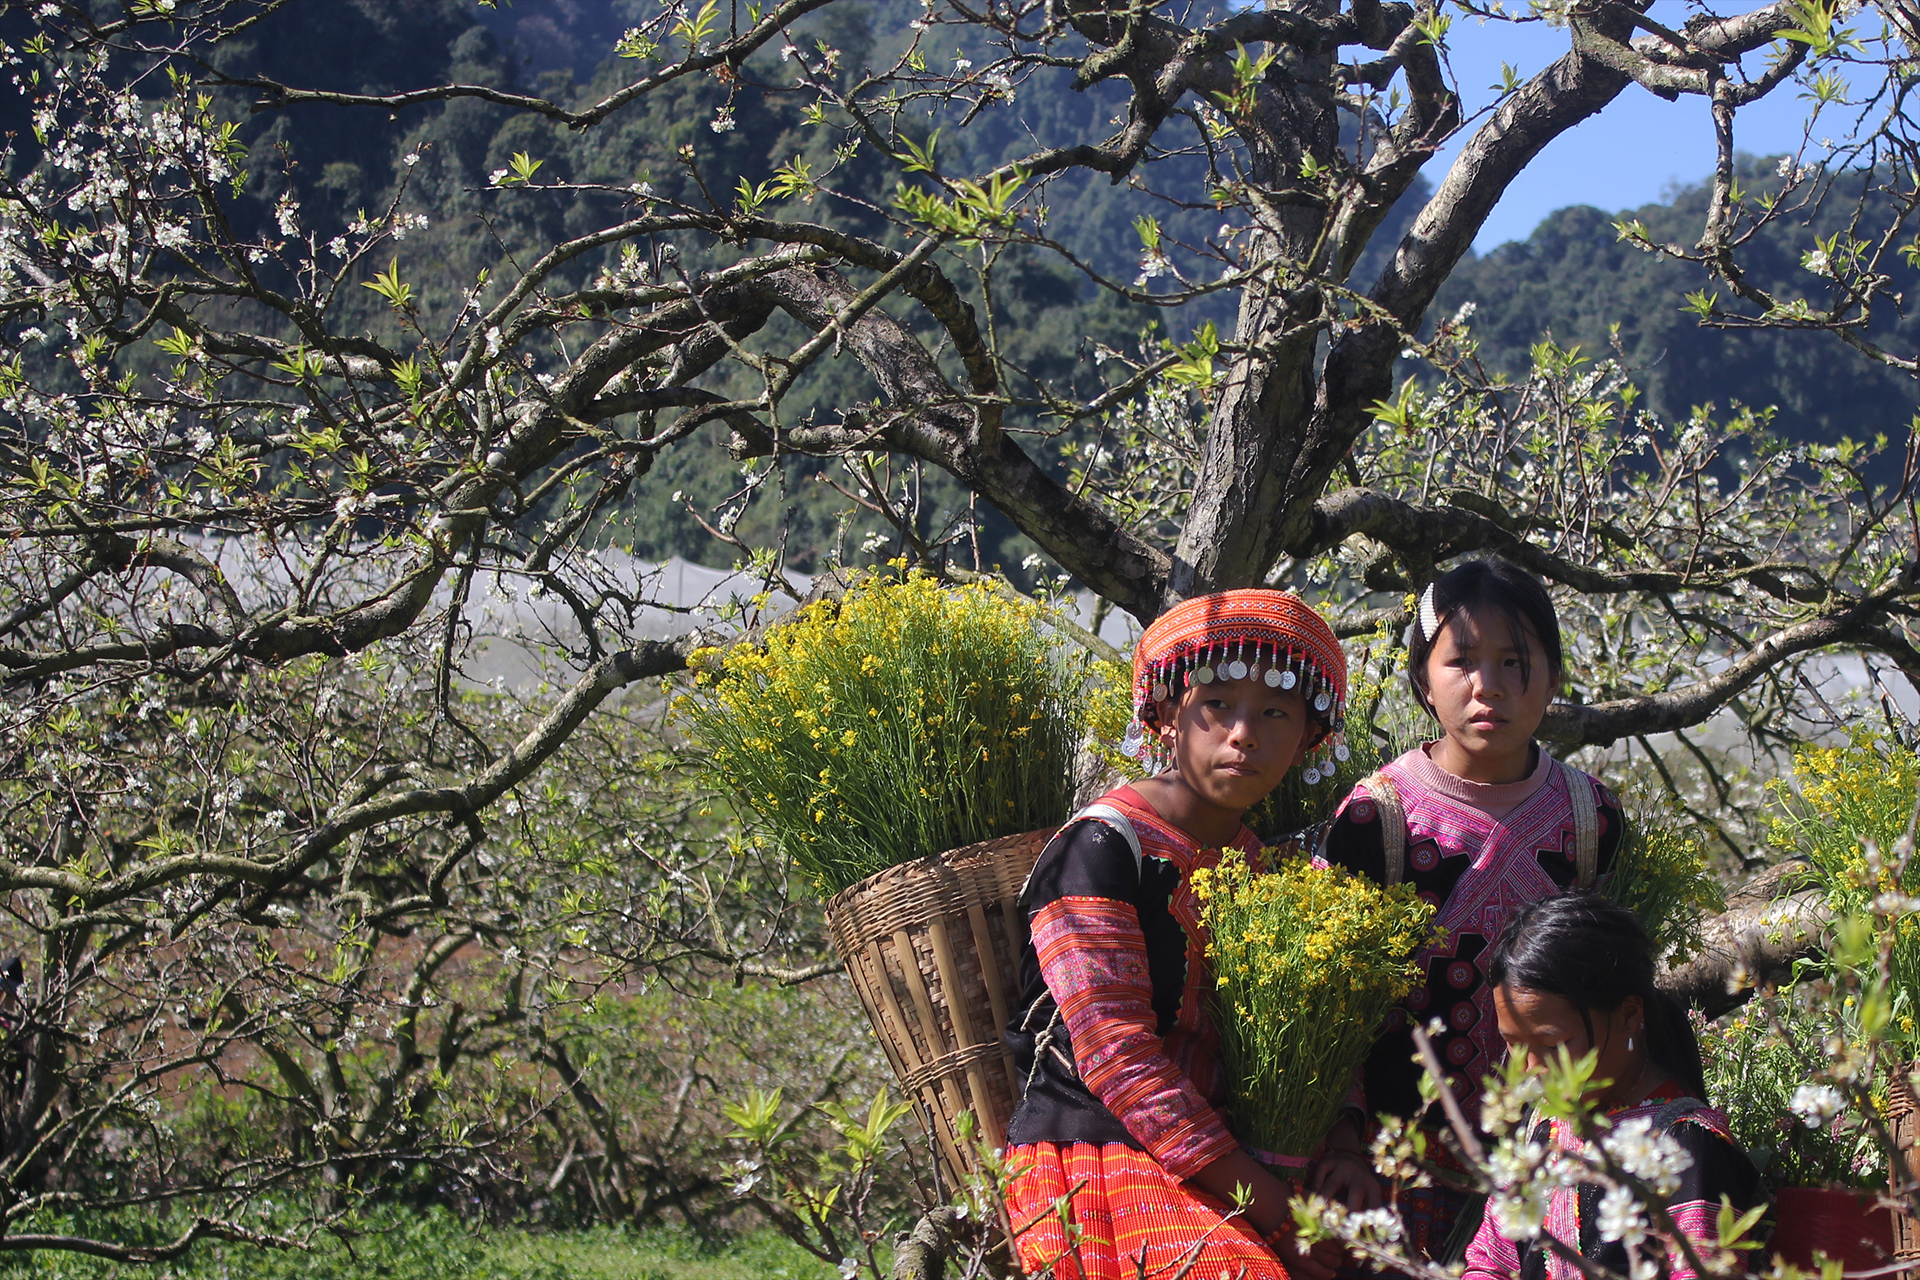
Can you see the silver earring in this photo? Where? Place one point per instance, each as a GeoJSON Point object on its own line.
{"type": "Point", "coordinates": [1629, 1044]}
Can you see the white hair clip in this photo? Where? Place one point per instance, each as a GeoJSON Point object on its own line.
{"type": "Point", "coordinates": [1429, 621]}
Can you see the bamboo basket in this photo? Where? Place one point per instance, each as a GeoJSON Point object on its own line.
{"type": "Point", "coordinates": [1903, 1122]}
{"type": "Point", "coordinates": [933, 948]}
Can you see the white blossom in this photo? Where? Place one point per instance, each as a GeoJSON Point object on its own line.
{"type": "Point", "coordinates": [1654, 1158]}
{"type": "Point", "coordinates": [1816, 1104]}
{"type": "Point", "coordinates": [1621, 1218]}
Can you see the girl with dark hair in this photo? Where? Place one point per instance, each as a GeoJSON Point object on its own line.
{"type": "Point", "coordinates": [1575, 972]}
{"type": "Point", "coordinates": [1123, 1161]}
{"type": "Point", "coordinates": [1482, 821]}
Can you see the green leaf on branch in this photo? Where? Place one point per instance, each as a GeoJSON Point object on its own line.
{"type": "Point", "coordinates": [1195, 366]}
{"type": "Point", "coordinates": [301, 363]}
{"type": "Point", "coordinates": [1701, 303]}
{"type": "Point", "coordinates": [757, 1120]}
{"type": "Point", "coordinates": [866, 1137]}
{"type": "Point", "coordinates": [974, 209]}
{"type": "Point", "coordinates": [1554, 361]}
{"type": "Point", "coordinates": [1825, 88]}
{"type": "Point", "coordinates": [636, 44]}
{"type": "Point", "coordinates": [1433, 28]}
{"type": "Point", "coordinates": [794, 178]}
{"type": "Point", "coordinates": [695, 29]}
{"type": "Point", "coordinates": [751, 197]}
{"type": "Point", "coordinates": [179, 343]}
{"type": "Point", "coordinates": [1247, 73]}
{"type": "Point", "coordinates": [919, 159]}
{"type": "Point", "coordinates": [521, 168]}
{"type": "Point", "coordinates": [409, 376]}
{"type": "Point", "coordinates": [389, 286]}
{"type": "Point", "coordinates": [1814, 27]}
{"type": "Point", "coordinates": [1734, 1225]}
{"type": "Point", "coordinates": [1403, 412]}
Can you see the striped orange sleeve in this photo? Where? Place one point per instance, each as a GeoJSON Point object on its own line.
{"type": "Point", "coordinates": [1094, 959]}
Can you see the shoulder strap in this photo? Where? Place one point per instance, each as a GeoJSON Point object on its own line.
{"type": "Point", "coordinates": [1586, 824]}
{"type": "Point", "coordinates": [1393, 825]}
{"type": "Point", "coordinates": [1116, 818]}
{"type": "Point", "coordinates": [1112, 816]}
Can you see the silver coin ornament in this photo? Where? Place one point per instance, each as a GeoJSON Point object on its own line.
{"type": "Point", "coordinates": [1160, 691]}
{"type": "Point", "coordinates": [1288, 680]}
{"type": "Point", "coordinates": [1134, 742]}
{"type": "Point", "coordinates": [1321, 702]}
{"type": "Point", "coordinates": [1203, 674]}
{"type": "Point", "coordinates": [1341, 753]}
{"type": "Point", "coordinates": [1313, 776]}
{"type": "Point", "coordinates": [1273, 678]}
{"type": "Point", "coordinates": [1237, 670]}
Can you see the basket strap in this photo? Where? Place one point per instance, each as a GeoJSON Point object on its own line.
{"type": "Point", "coordinates": [1098, 812]}
{"type": "Point", "coordinates": [1393, 825]}
{"type": "Point", "coordinates": [1119, 821]}
{"type": "Point", "coordinates": [1586, 825]}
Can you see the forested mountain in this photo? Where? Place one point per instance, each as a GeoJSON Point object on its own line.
{"type": "Point", "coordinates": [1575, 278]}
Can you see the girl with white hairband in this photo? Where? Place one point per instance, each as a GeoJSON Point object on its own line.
{"type": "Point", "coordinates": [1482, 821]}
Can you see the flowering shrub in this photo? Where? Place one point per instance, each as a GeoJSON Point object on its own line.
{"type": "Point", "coordinates": [1767, 1067]}
{"type": "Point", "coordinates": [1849, 815]}
{"type": "Point", "coordinates": [1307, 960]}
{"type": "Point", "coordinates": [904, 718]}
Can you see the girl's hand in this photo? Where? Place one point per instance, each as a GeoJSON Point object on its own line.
{"type": "Point", "coordinates": [1320, 1262]}
{"type": "Point", "coordinates": [1344, 1171]}
{"type": "Point", "coordinates": [1269, 1211]}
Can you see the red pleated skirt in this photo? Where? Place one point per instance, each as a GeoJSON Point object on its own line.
{"type": "Point", "coordinates": [1125, 1218]}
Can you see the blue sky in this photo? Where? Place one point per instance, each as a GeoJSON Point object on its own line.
{"type": "Point", "coordinates": [1626, 156]}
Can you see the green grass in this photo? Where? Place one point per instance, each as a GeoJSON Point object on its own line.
{"type": "Point", "coordinates": [601, 1254]}
{"type": "Point", "coordinates": [399, 1244]}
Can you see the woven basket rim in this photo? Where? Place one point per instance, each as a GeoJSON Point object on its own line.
{"type": "Point", "coordinates": [934, 862]}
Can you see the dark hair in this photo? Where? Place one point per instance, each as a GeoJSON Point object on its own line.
{"type": "Point", "coordinates": [1507, 587]}
{"type": "Point", "coordinates": [1593, 952]}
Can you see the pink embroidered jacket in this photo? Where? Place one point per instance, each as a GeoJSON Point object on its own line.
{"type": "Point", "coordinates": [1716, 1167]}
{"type": "Point", "coordinates": [1113, 1037]}
{"type": "Point", "coordinates": [1477, 870]}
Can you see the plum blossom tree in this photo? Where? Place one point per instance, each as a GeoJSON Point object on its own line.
{"type": "Point", "coordinates": [262, 470]}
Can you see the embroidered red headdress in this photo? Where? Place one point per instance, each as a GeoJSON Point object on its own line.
{"type": "Point", "coordinates": [1250, 634]}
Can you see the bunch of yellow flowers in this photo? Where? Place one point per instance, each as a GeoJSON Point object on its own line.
{"type": "Point", "coordinates": [905, 717]}
{"type": "Point", "coordinates": [1307, 961]}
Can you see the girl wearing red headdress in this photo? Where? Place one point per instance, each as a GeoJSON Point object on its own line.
{"type": "Point", "coordinates": [1123, 1164]}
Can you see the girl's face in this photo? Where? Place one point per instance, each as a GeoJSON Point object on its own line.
{"type": "Point", "coordinates": [1539, 1023]}
{"type": "Point", "coordinates": [1234, 740]}
{"type": "Point", "coordinates": [1489, 707]}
